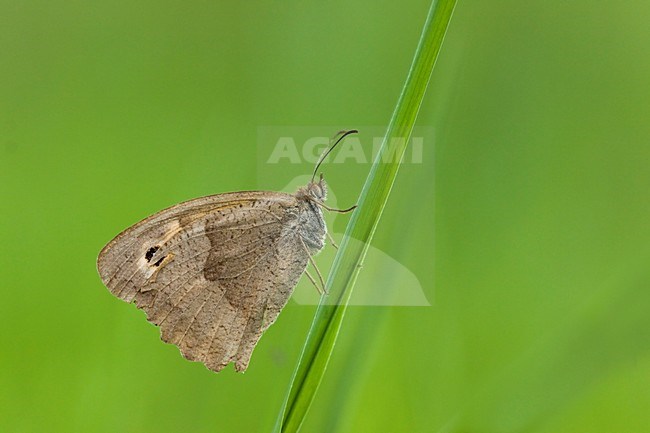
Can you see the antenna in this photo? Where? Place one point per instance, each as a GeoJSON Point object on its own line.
{"type": "Point", "coordinates": [327, 152]}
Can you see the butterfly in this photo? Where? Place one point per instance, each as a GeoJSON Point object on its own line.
{"type": "Point", "coordinates": [214, 272]}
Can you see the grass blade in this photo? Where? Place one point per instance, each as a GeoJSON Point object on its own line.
{"type": "Point", "coordinates": [362, 225]}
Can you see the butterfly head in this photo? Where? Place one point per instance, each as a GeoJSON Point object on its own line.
{"type": "Point", "coordinates": [315, 190]}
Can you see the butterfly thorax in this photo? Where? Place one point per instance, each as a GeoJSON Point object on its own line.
{"type": "Point", "coordinates": [311, 224]}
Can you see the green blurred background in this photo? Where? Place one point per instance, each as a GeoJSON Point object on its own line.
{"type": "Point", "coordinates": [526, 224]}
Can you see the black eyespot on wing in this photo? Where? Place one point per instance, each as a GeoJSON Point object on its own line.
{"type": "Point", "coordinates": [151, 252]}
{"type": "Point", "coordinates": [160, 260]}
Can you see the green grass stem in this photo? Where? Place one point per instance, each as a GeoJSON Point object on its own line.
{"type": "Point", "coordinates": [363, 223]}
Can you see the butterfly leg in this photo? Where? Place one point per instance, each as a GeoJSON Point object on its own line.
{"type": "Point", "coordinates": [313, 263]}
{"type": "Point", "coordinates": [331, 209]}
{"type": "Point", "coordinates": [319, 289]}
{"type": "Point", "coordinates": [323, 291]}
{"type": "Point", "coordinates": [329, 236]}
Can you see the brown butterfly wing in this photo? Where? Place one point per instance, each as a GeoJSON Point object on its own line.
{"type": "Point", "coordinates": [213, 273]}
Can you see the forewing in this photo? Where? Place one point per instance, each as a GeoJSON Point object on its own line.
{"type": "Point", "coordinates": [209, 272]}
